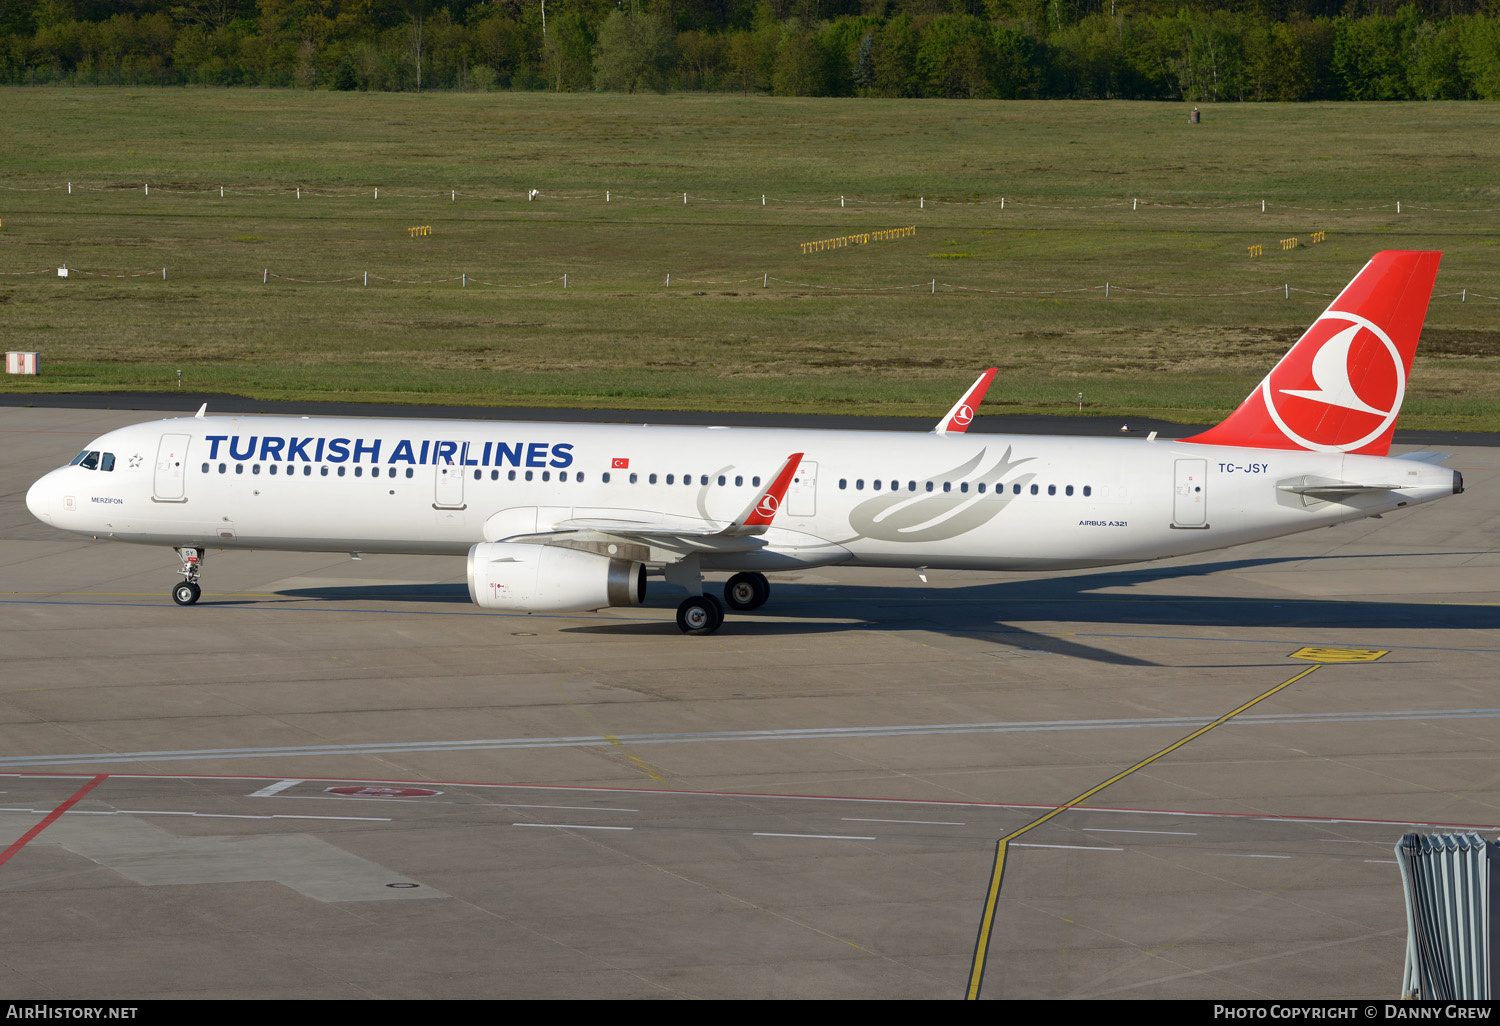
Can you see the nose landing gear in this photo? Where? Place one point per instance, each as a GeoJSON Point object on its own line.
{"type": "Point", "coordinates": [188, 592]}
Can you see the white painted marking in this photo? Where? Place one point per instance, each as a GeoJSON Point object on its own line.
{"type": "Point", "coordinates": [200, 815]}
{"type": "Point", "coordinates": [820, 837]}
{"type": "Point", "coordinates": [798, 734]}
{"type": "Point", "coordinates": [276, 788]}
{"type": "Point", "coordinates": [571, 826]}
{"type": "Point", "coordinates": [1234, 855]}
{"type": "Point", "coordinates": [919, 822]}
{"type": "Point", "coordinates": [1112, 830]}
{"type": "Point", "coordinates": [482, 805]}
{"type": "Point", "coordinates": [566, 808]}
{"type": "Point", "coordinates": [1069, 847]}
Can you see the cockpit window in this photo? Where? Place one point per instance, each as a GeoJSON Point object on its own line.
{"type": "Point", "coordinates": [88, 460]}
{"type": "Point", "coordinates": [79, 458]}
{"type": "Point", "coordinates": [107, 461]}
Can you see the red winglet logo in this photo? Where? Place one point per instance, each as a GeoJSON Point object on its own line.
{"type": "Point", "coordinates": [1340, 387]}
{"type": "Point", "coordinates": [771, 499]}
{"type": "Point", "coordinates": [962, 415]}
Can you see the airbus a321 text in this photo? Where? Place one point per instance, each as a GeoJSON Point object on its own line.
{"type": "Point", "coordinates": [573, 517]}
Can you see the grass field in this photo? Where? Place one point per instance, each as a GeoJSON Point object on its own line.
{"type": "Point", "coordinates": [1191, 322]}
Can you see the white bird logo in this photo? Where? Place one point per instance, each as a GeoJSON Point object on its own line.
{"type": "Point", "coordinates": [1330, 371]}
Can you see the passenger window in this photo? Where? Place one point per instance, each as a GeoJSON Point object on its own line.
{"type": "Point", "coordinates": [739, 480]}
{"type": "Point", "coordinates": [494, 475]}
{"type": "Point", "coordinates": [669, 479]}
{"type": "Point", "coordinates": [964, 487]}
{"type": "Point", "coordinates": [859, 484]}
{"type": "Point", "coordinates": [255, 468]}
{"type": "Point", "coordinates": [703, 479]}
{"type": "Point", "coordinates": [546, 475]}
{"type": "Point", "coordinates": [1068, 490]}
{"type": "Point", "coordinates": [563, 476]}
{"type": "Point", "coordinates": [321, 470]}
{"type": "Point", "coordinates": [981, 488]}
{"type": "Point", "coordinates": [307, 470]}
{"type": "Point", "coordinates": [929, 486]}
{"type": "Point", "coordinates": [911, 486]}
{"type": "Point", "coordinates": [875, 484]}
{"type": "Point", "coordinates": [1087, 491]}
{"type": "Point", "coordinates": [1034, 489]}
{"type": "Point", "coordinates": [359, 471]}
{"type": "Point", "coordinates": [273, 470]}
{"type": "Point", "coordinates": [651, 479]}
{"type": "Point", "coordinates": [755, 482]}
{"type": "Point", "coordinates": [947, 486]}
{"type": "Point", "coordinates": [576, 477]}
{"type": "Point", "coordinates": [108, 462]}
{"type": "Point", "coordinates": [509, 477]}
{"type": "Point", "coordinates": [205, 468]}
{"type": "Point", "coordinates": [409, 471]}
{"type": "Point", "coordinates": [222, 468]}
{"type": "Point", "coordinates": [528, 475]}
{"type": "Point", "coordinates": [1052, 489]}
{"type": "Point", "coordinates": [478, 475]}
{"type": "Point", "coordinates": [634, 477]}
{"type": "Point", "coordinates": [604, 477]}
{"type": "Point", "coordinates": [239, 468]}
{"type": "Point", "coordinates": [721, 480]}
{"type": "Point", "coordinates": [1015, 489]}
{"type": "Point", "coordinates": [843, 483]}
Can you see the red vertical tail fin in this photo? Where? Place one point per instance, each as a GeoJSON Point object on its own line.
{"type": "Point", "coordinates": [1339, 389]}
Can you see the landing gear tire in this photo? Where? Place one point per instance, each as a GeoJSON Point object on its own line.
{"type": "Point", "coordinates": [700, 614]}
{"type": "Point", "coordinates": [746, 591]}
{"type": "Point", "coordinates": [186, 593]}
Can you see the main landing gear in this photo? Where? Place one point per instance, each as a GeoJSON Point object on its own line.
{"type": "Point", "coordinates": [188, 592]}
{"type": "Point", "coordinates": [704, 614]}
{"type": "Point", "coordinates": [747, 591]}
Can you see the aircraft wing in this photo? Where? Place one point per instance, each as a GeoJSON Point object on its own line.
{"type": "Point", "coordinates": [962, 415]}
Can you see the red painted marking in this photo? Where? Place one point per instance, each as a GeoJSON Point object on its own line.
{"type": "Point", "coordinates": [51, 817]}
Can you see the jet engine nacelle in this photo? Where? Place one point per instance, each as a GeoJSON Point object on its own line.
{"type": "Point", "coordinates": [551, 579]}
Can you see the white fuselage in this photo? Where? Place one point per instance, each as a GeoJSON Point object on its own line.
{"type": "Point", "coordinates": [997, 502]}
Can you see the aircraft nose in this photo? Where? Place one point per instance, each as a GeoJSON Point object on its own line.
{"type": "Point", "coordinates": [39, 499]}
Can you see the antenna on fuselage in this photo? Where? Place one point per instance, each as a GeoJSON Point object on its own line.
{"type": "Point", "coordinates": [201, 411]}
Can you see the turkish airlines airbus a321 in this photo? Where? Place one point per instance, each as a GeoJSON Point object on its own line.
{"type": "Point", "coordinates": [575, 517]}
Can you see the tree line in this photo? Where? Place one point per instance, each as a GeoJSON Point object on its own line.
{"type": "Point", "coordinates": [1224, 50]}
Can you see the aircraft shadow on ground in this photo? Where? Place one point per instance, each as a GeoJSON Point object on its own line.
{"type": "Point", "coordinates": [995, 612]}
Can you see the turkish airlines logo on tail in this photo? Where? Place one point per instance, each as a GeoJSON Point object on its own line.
{"type": "Point", "coordinates": [963, 415]}
{"type": "Point", "coordinates": [1347, 394]}
{"type": "Point", "coordinates": [768, 505]}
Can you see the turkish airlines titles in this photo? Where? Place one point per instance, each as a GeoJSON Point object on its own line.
{"type": "Point", "coordinates": [289, 449]}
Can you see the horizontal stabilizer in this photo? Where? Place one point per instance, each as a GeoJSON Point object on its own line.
{"type": "Point", "coordinates": [1425, 457]}
{"type": "Point", "coordinates": [1335, 490]}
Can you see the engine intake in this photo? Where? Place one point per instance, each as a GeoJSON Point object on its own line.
{"type": "Point", "coordinates": [551, 579]}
